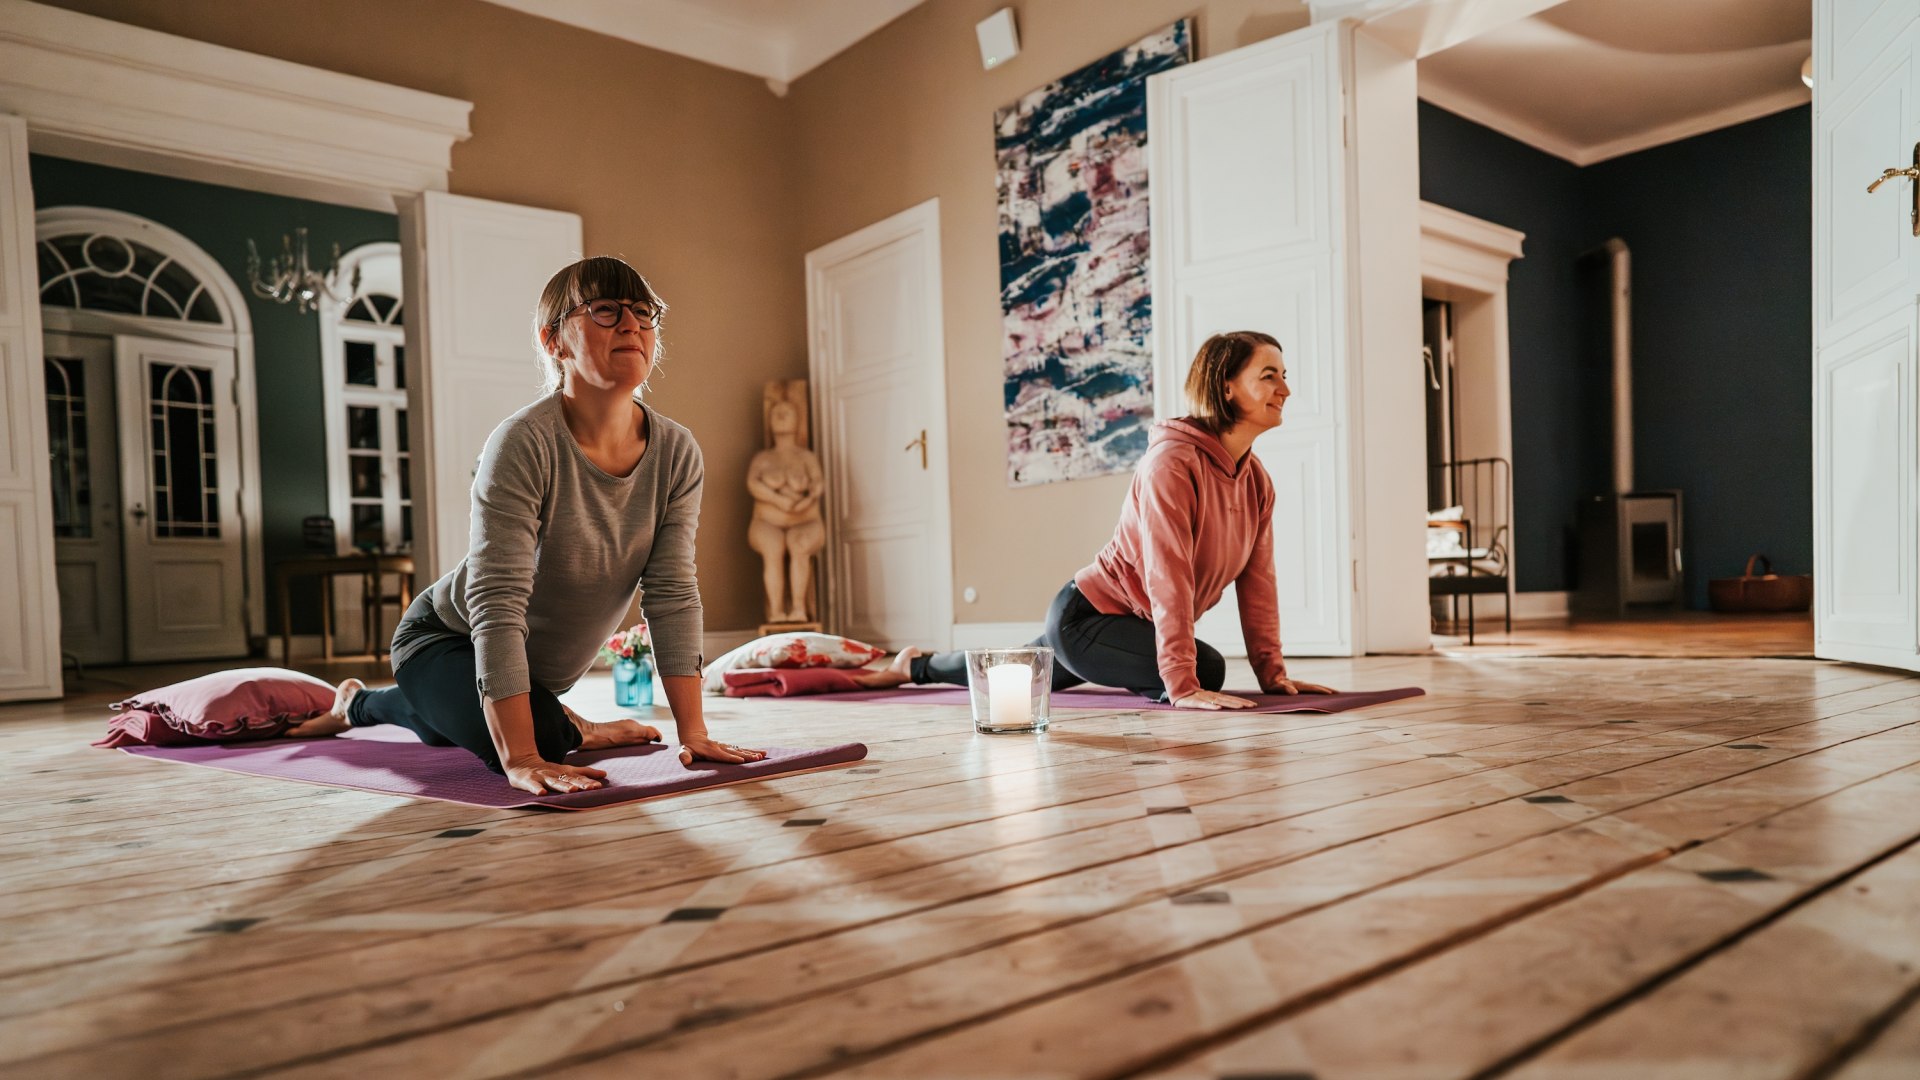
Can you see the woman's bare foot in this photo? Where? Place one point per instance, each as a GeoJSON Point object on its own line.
{"type": "Point", "coordinates": [611, 733]}
{"type": "Point", "coordinates": [897, 673]}
{"type": "Point", "coordinates": [329, 723]}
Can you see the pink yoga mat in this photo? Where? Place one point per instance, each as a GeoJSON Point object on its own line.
{"type": "Point", "coordinates": [390, 760]}
{"type": "Point", "coordinates": [1118, 700]}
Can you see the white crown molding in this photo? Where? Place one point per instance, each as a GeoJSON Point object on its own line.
{"type": "Point", "coordinates": [98, 90]}
{"type": "Point", "coordinates": [1739, 113]}
{"type": "Point", "coordinates": [1462, 103]}
{"type": "Point", "coordinates": [1498, 119]}
{"type": "Point", "coordinates": [778, 49]}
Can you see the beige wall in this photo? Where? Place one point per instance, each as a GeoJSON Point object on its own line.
{"type": "Point", "coordinates": [678, 166]}
{"type": "Point", "coordinates": [906, 115]}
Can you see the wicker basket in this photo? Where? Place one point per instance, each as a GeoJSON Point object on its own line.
{"type": "Point", "coordinates": [1765, 591]}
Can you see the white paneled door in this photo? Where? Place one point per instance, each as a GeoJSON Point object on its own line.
{"type": "Point", "coordinates": [85, 438]}
{"type": "Point", "coordinates": [472, 364]}
{"type": "Point", "coordinates": [180, 501]}
{"type": "Point", "coordinates": [1866, 395]}
{"type": "Point", "coordinates": [1249, 234]}
{"type": "Point", "coordinates": [879, 370]}
{"type": "Point", "coordinates": [29, 614]}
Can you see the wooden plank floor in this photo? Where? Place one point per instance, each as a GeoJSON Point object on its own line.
{"type": "Point", "coordinates": [1548, 867]}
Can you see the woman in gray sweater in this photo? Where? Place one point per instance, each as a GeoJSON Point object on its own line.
{"type": "Point", "coordinates": [583, 500]}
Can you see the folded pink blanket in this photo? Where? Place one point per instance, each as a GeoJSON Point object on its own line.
{"type": "Point", "coordinates": [788, 682]}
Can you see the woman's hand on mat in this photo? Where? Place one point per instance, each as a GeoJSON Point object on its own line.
{"type": "Point", "coordinates": [1295, 686]}
{"type": "Point", "coordinates": [1212, 699]}
{"type": "Point", "coordinates": [705, 748]}
{"type": "Point", "coordinates": [544, 777]}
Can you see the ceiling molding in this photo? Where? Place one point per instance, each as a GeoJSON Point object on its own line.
{"type": "Point", "coordinates": [107, 92]}
{"type": "Point", "coordinates": [1592, 80]}
{"type": "Point", "coordinates": [778, 40]}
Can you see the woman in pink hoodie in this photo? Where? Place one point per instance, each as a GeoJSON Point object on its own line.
{"type": "Point", "coordinates": [1198, 517]}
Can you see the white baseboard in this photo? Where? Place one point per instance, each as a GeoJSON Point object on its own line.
{"type": "Point", "coordinates": [995, 635]}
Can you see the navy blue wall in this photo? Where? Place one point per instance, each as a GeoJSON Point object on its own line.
{"type": "Point", "coordinates": [1720, 230]}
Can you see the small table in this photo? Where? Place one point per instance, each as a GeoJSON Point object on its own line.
{"type": "Point", "coordinates": [369, 566]}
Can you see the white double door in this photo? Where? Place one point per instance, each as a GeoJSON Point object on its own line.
{"type": "Point", "coordinates": [148, 548]}
{"type": "Point", "coordinates": [1866, 385]}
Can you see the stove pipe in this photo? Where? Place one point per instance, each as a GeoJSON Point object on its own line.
{"type": "Point", "coordinates": [1620, 295]}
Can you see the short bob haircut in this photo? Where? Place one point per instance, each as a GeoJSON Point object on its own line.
{"type": "Point", "coordinates": [1220, 360]}
{"type": "Point", "coordinates": [602, 277]}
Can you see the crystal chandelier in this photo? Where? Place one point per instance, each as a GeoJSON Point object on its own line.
{"type": "Point", "coordinates": [290, 279]}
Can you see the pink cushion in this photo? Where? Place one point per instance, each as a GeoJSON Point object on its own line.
{"type": "Point", "coordinates": [245, 703]}
{"type": "Point", "coordinates": [787, 682]}
{"type": "Point", "coordinates": [138, 727]}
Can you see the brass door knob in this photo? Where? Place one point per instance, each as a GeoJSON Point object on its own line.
{"type": "Point", "coordinates": [1911, 172]}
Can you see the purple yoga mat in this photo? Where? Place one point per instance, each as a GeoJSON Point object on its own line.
{"type": "Point", "coordinates": [1116, 700]}
{"type": "Point", "coordinates": [390, 760]}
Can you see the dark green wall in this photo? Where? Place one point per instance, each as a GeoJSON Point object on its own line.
{"type": "Point", "coordinates": [1720, 227]}
{"type": "Point", "coordinates": [293, 455]}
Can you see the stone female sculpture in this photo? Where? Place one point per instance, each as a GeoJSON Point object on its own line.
{"type": "Point", "coordinates": [786, 483]}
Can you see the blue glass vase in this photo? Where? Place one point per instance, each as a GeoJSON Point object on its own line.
{"type": "Point", "coordinates": [633, 682]}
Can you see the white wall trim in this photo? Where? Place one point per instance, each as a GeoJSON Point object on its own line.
{"type": "Point", "coordinates": [110, 93]}
{"type": "Point", "coordinates": [924, 220]}
{"type": "Point", "coordinates": [1484, 248]}
{"type": "Point", "coordinates": [1465, 260]}
{"type": "Point", "coordinates": [1540, 138]}
{"type": "Point", "coordinates": [235, 334]}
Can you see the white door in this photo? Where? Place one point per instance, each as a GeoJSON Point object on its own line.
{"type": "Point", "coordinates": [180, 484]}
{"type": "Point", "coordinates": [30, 616]}
{"type": "Point", "coordinates": [879, 384]}
{"type": "Point", "coordinates": [84, 437]}
{"type": "Point", "coordinates": [472, 363]}
{"type": "Point", "coordinates": [1249, 234]}
{"type": "Point", "coordinates": [1866, 398]}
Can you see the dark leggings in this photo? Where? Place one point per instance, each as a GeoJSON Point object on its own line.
{"type": "Point", "coordinates": [1091, 647]}
{"type": "Point", "coordinates": [438, 699]}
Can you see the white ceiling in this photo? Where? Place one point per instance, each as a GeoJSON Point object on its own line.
{"type": "Point", "coordinates": [779, 40]}
{"type": "Point", "coordinates": [1590, 80]}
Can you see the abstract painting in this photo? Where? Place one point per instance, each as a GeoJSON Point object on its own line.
{"type": "Point", "coordinates": [1075, 295]}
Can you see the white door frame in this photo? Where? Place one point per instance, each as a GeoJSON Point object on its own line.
{"type": "Point", "coordinates": [1464, 261]}
{"type": "Point", "coordinates": [96, 90]}
{"type": "Point", "coordinates": [922, 220]}
{"type": "Point", "coordinates": [235, 332]}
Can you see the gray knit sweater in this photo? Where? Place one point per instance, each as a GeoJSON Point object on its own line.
{"type": "Point", "coordinates": [557, 552]}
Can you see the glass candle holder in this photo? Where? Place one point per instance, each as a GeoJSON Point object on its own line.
{"type": "Point", "coordinates": [1011, 689]}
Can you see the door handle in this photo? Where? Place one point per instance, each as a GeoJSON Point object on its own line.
{"type": "Point", "coordinates": [920, 442]}
{"type": "Point", "coordinates": [138, 513]}
{"type": "Point", "coordinates": [1912, 175]}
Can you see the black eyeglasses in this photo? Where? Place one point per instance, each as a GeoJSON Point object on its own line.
{"type": "Point", "coordinates": [607, 313]}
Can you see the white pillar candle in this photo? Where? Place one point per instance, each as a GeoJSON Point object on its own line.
{"type": "Point", "coordinates": [1010, 695]}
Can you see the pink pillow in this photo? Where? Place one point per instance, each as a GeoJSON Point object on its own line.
{"type": "Point", "coordinates": [245, 703]}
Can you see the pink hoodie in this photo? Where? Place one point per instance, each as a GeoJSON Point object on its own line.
{"type": "Point", "coordinates": [1192, 525]}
